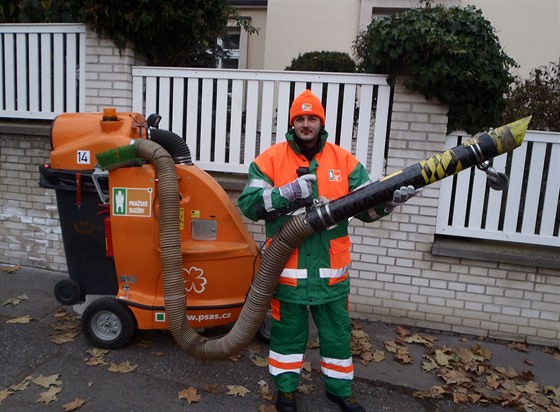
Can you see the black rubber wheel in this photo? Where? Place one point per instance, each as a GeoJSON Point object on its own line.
{"type": "Point", "coordinates": [263, 333]}
{"type": "Point", "coordinates": [108, 323]}
{"type": "Point", "coordinates": [67, 292]}
{"type": "Point", "coordinates": [501, 183]}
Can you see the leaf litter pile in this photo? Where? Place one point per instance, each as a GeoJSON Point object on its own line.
{"type": "Point", "coordinates": [467, 374]}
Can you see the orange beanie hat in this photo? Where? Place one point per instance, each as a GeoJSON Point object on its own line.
{"type": "Point", "coordinates": [307, 104]}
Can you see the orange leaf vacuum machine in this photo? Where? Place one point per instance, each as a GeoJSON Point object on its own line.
{"type": "Point", "coordinates": [154, 242]}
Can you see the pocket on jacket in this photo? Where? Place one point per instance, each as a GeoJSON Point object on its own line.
{"type": "Point", "coordinates": [340, 252]}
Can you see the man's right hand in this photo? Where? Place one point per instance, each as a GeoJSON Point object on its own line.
{"type": "Point", "coordinates": [300, 188]}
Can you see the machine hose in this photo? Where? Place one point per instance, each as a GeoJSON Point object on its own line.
{"type": "Point", "coordinates": [173, 143]}
{"type": "Point", "coordinates": [291, 234]}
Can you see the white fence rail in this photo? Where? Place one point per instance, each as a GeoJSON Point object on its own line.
{"type": "Point", "coordinates": [229, 116]}
{"type": "Point", "coordinates": [43, 70]}
{"type": "Point", "coordinates": [526, 212]}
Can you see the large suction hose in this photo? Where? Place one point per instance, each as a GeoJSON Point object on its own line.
{"type": "Point", "coordinates": [173, 143]}
{"type": "Point", "coordinates": [293, 232]}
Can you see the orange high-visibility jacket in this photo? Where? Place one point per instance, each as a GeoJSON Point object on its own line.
{"type": "Point", "coordinates": [317, 272]}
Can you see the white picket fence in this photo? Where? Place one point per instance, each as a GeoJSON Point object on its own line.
{"type": "Point", "coordinates": [229, 116]}
{"type": "Point", "coordinates": [527, 212]}
{"type": "Point", "coordinates": [43, 70]}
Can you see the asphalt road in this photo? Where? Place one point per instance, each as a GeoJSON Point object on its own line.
{"type": "Point", "coordinates": [161, 370]}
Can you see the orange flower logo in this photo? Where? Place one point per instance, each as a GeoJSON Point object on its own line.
{"type": "Point", "coordinates": [194, 280]}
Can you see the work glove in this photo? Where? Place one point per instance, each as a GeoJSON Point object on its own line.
{"type": "Point", "coordinates": [400, 196]}
{"type": "Point", "coordinates": [300, 188]}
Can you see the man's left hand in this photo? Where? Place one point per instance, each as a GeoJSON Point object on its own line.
{"type": "Point", "coordinates": [400, 196]}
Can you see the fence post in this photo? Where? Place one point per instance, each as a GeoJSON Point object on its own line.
{"type": "Point", "coordinates": [109, 74]}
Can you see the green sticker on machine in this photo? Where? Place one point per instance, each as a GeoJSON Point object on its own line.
{"type": "Point", "coordinates": [132, 202]}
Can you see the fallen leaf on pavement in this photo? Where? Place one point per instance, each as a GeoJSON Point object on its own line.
{"type": "Point", "coordinates": [417, 338]}
{"type": "Point", "coordinates": [15, 300]}
{"type": "Point", "coordinates": [305, 389]}
{"type": "Point", "coordinates": [452, 376]}
{"type": "Point", "coordinates": [260, 361]}
{"type": "Point", "coordinates": [74, 405]}
{"type": "Point", "coordinates": [435, 392]}
{"type": "Point", "coordinates": [96, 361]}
{"type": "Point", "coordinates": [460, 397]}
{"type": "Point", "coordinates": [479, 350]}
{"type": "Point", "coordinates": [267, 408]}
{"type": "Point", "coordinates": [64, 338]}
{"type": "Point", "coordinates": [552, 392]}
{"type": "Point", "coordinates": [429, 366]}
{"type": "Point", "coordinates": [402, 332]}
{"type": "Point", "coordinates": [22, 320]}
{"type": "Point", "coordinates": [356, 324]}
{"type": "Point", "coordinates": [403, 355]}
{"type": "Point", "coordinates": [4, 393]}
{"type": "Point", "coordinates": [97, 357]}
{"type": "Point", "coordinates": [508, 373]}
{"type": "Point", "coordinates": [264, 390]}
{"type": "Point", "coordinates": [368, 356]}
{"type": "Point", "coordinates": [10, 269]}
{"type": "Point", "coordinates": [98, 352]}
{"type": "Point", "coordinates": [393, 346]}
{"type": "Point", "coordinates": [123, 367]}
{"type": "Point", "coordinates": [190, 395]}
{"type": "Point", "coordinates": [443, 356]}
{"type": "Point", "coordinates": [531, 387]}
{"type": "Point", "coordinates": [522, 347]}
{"type": "Point", "coordinates": [493, 381]}
{"type": "Point", "coordinates": [50, 395]}
{"type": "Point", "coordinates": [237, 390]}
{"type": "Point", "coordinates": [314, 344]}
{"type": "Point", "coordinates": [47, 381]}
{"type": "Point", "coordinates": [212, 388]}
{"type": "Point", "coordinates": [22, 385]}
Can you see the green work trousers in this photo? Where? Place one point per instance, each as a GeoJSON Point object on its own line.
{"type": "Point", "coordinates": [289, 336]}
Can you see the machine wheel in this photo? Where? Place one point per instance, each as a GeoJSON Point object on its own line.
{"type": "Point", "coordinates": [501, 182]}
{"type": "Point", "coordinates": [108, 323]}
{"type": "Point", "coordinates": [67, 292]}
{"type": "Point", "coordinates": [263, 333]}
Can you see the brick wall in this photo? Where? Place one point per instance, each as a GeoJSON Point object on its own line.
{"type": "Point", "coordinates": [30, 231]}
{"type": "Point", "coordinates": [109, 74]}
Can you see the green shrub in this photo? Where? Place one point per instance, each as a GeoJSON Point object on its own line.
{"type": "Point", "coordinates": [323, 61]}
{"type": "Point", "coordinates": [538, 96]}
{"type": "Point", "coordinates": [164, 33]}
{"type": "Point", "coordinates": [450, 53]}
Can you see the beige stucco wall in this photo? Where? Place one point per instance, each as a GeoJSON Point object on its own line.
{"type": "Point", "coordinates": [529, 30]}
{"type": "Point", "coordinates": [295, 26]}
{"type": "Point", "coordinates": [256, 42]}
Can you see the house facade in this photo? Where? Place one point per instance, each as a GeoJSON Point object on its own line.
{"type": "Point", "coordinates": [529, 31]}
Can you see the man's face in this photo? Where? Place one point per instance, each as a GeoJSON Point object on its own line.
{"type": "Point", "coordinates": [307, 129]}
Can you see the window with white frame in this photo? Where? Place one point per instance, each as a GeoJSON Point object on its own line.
{"type": "Point", "coordinates": [235, 46]}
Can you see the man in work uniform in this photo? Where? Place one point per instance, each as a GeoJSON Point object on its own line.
{"type": "Point", "coordinates": [281, 179]}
